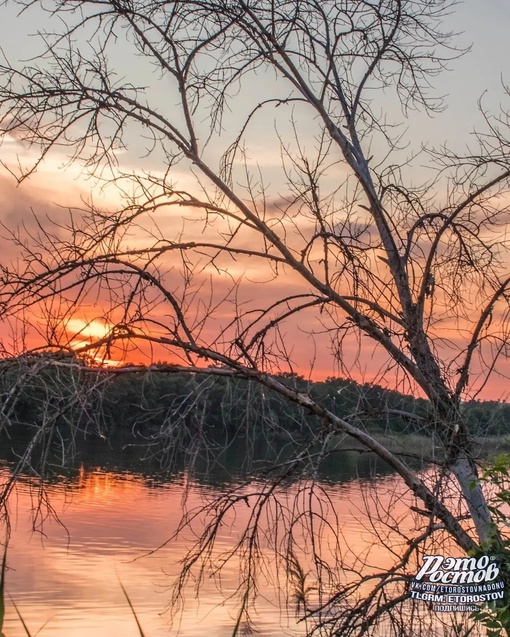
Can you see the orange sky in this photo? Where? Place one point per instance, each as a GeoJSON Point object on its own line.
{"type": "Point", "coordinates": [58, 185]}
{"type": "Point", "coordinates": [308, 344]}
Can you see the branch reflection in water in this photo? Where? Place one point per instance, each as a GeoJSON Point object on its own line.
{"type": "Point", "coordinates": [101, 526]}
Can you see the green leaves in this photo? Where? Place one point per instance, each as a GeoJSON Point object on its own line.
{"type": "Point", "coordinates": [495, 619]}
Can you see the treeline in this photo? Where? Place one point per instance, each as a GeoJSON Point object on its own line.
{"type": "Point", "coordinates": [146, 401]}
{"type": "Point", "coordinates": [175, 406]}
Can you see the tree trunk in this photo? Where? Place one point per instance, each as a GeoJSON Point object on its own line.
{"type": "Point", "coordinates": [467, 476]}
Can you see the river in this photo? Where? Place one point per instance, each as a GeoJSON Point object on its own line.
{"type": "Point", "coordinates": [92, 532]}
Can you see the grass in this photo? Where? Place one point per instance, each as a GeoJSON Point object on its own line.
{"type": "Point", "coordinates": [29, 634]}
{"type": "Point", "coordinates": [2, 589]}
{"type": "Point", "coordinates": [140, 629]}
{"type": "Point", "coordinates": [20, 616]}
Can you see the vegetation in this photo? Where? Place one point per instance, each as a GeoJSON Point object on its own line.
{"type": "Point", "coordinates": [147, 403]}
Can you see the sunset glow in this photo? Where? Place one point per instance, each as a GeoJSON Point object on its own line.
{"type": "Point", "coordinates": [210, 286]}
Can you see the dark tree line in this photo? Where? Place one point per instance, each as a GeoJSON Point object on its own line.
{"type": "Point", "coordinates": [158, 403]}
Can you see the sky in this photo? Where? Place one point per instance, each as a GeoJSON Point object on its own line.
{"type": "Point", "coordinates": [57, 186]}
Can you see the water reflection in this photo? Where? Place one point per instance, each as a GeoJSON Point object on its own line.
{"type": "Point", "coordinates": [216, 466]}
{"type": "Point", "coordinates": [65, 575]}
{"type": "Point", "coordinates": [98, 524]}
{"type": "Point", "coordinates": [101, 521]}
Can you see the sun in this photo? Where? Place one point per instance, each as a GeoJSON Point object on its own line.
{"type": "Point", "coordinates": [83, 332]}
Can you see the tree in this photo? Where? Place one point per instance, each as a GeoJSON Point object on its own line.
{"type": "Point", "coordinates": [345, 236]}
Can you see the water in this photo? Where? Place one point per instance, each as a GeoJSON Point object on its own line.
{"type": "Point", "coordinates": [79, 541]}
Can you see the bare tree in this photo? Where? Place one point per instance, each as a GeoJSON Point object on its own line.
{"type": "Point", "coordinates": [343, 239]}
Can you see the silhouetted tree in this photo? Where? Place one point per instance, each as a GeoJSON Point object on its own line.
{"type": "Point", "coordinates": [345, 236]}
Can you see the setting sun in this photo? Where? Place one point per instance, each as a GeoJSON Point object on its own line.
{"type": "Point", "coordinates": [84, 330]}
{"type": "Point", "coordinates": [83, 333]}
